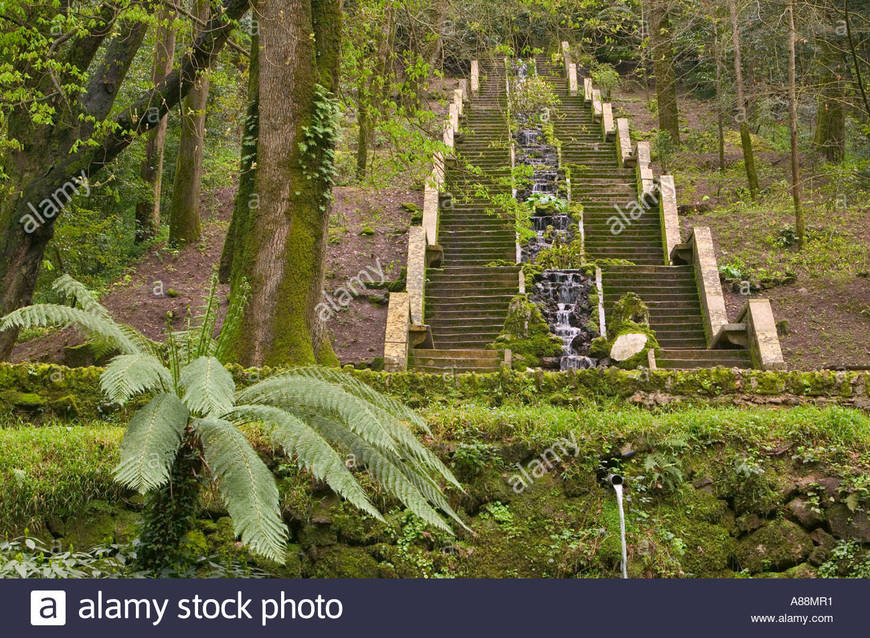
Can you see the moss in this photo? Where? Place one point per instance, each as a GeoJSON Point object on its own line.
{"type": "Point", "coordinates": [340, 561]}
{"type": "Point", "coordinates": [775, 547]}
{"type": "Point", "coordinates": [24, 400]}
{"type": "Point", "coordinates": [527, 335]}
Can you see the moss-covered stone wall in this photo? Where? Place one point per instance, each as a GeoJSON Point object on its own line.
{"type": "Point", "coordinates": [43, 389]}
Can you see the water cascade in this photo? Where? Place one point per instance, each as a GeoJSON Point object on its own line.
{"type": "Point", "coordinates": [562, 295]}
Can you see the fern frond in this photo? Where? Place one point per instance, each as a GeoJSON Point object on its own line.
{"type": "Point", "coordinates": [356, 387]}
{"type": "Point", "coordinates": [130, 374]}
{"type": "Point", "coordinates": [313, 451]}
{"type": "Point", "coordinates": [44, 315]}
{"type": "Point", "coordinates": [386, 468]}
{"type": "Point", "coordinates": [246, 486]}
{"type": "Point", "coordinates": [151, 442]}
{"type": "Point", "coordinates": [209, 387]}
{"type": "Point", "coordinates": [69, 288]}
{"type": "Point", "coordinates": [323, 399]}
{"type": "Point", "coordinates": [205, 343]}
{"type": "Point", "coordinates": [391, 414]}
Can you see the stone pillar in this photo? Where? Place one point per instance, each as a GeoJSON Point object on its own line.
{"type": "Point", "coordinates": [607, 126]}
{"type": "Point", "coordinates": [596, 104]}
{"type": "Point", "coordinates": [416, 277]}
{"type": "Point", "coordinates": [587, 90]}
{"type": "Point", "coordinates": [764, 345]}
{"type": "Point", "coordinates": [573, 89]}
{"type": "Point", "coordinates": [396, 336]}
{"type": "Point", "coordinates": [623, 144]}
{"type": "Point", "coordinates": [475, 76]}
{"type": "Point", "coordinates": [709, 286]}
{"type": "Point", "coordinates": [645, 181]}
{"type": "Point", "coordinates": [668, 213]}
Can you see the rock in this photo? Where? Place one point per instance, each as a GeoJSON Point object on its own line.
{"type": "Point", "coordinates": [801, 511]}
{"type": "Point", "coordinates": [748, 522]}
{"type": "Point", "coordinates": [777, 546]}
{"type": "Point", "coordinates": [804, 570]}
{"type": "Point", "coordinates": [627, 345]}
{"type": "Point", "coordinates": [824, 544]}
{"type": "Point", "coordinates": [829, 485]}
{"type": "Point", "coordinates": [846, 524]}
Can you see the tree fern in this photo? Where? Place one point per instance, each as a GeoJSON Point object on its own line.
{"type": "Point", "coordinates": [151, 442]}
{"type": "Point", "coordinates": [245, 485]}
{"type": "Point", "coordinates": [383, 467]}
{"type": "Point", "coordinates": [313, 414]}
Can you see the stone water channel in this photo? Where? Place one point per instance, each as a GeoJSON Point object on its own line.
{"type": "Point", "coordinates": [562, 295]}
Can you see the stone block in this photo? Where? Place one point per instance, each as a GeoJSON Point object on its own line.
{"type": "Point", "coordinates": [709, 286]}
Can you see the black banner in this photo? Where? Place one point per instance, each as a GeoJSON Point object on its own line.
{"type": "Point", "coordinates": [441, 608]}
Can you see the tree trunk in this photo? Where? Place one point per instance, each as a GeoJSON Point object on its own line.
{"type": "Point", "coordinates": [793, 126]}
{"type": "Point", "coordinates": [184, 223]}
{"type": "Point", "coordinates": [720, 98]}
{"type": "Point", "coordinates": [246, 196]}
{"type": "Point", "coordinates": [830, 134]}
{"type": "Point", "coordinates": [742, 109]}
{"type": "Point", "coordinates": [282, 255]}
{"type": "Point", "coordinates": [372, 92]}
{"type": "Point", "coordinates": [148, 210]}
{"type": "Point", "coordinates": [661, 49]}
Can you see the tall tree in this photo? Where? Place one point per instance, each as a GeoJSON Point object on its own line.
{"type": "Point", "coordinates": [148, 210]}
{"type": "Point", "coordinates": [64, 136]}
{"type": "Point", "coordinates": [283, 250]}
{"type": "Point", "coordinates": [830, 134]}
{"type": "Point", "coordinates": [742, 105]}
{"type": "Point", "coordinates": [793, 127]}
{"type": "Point", "coordinates": [662, 53]}
{"type": "Point", "coordinates": [184, 224]}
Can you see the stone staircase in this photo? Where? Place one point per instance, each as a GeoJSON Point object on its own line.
{"type": "Point", "coordinates": [598, 182]}
{"type": "Point", "coordinates": [466, 300]}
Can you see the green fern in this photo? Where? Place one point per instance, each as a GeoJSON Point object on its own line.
{"type": "Point", "coordinates": [312, 414]}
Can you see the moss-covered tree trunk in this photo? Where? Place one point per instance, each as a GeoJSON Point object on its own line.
{"type": "Point", "coordinates": [184, 224]}
{"type": "Point", "coordinates": [148, 209]}
{"type": "Point", "coordinates": [283, 251]}
{"type": "Point", "coordinates": [246, 197]}
{"type": "Point", "coordinates": [662, 51]}
{"type": "Point", "coordinates": [742, 107]}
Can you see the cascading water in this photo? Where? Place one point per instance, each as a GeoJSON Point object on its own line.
{"type": "Point", "coordinates": [563, 295]}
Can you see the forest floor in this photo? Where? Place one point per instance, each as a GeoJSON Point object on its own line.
{"type": "Point", "coordinates": [820, 295]}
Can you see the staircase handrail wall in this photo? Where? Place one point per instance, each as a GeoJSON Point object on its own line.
{"type": "Point", "coordinates": [406, 309]}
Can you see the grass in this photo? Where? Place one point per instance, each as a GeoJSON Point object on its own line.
{"type": "Point", "coordinates": [54, 469]}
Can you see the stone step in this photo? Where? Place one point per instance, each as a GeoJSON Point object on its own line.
{"type": "Point", "coordinates": [698, 358]}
